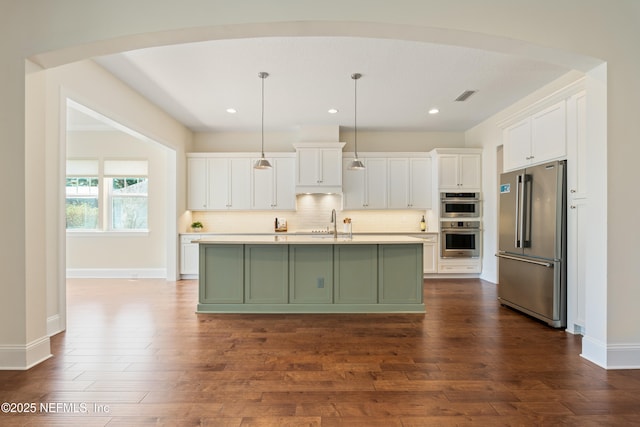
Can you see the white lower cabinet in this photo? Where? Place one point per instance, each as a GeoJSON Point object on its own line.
{"type": "Point", "coordinates": [460, 266]}
{"type": "Point", "coordinates": [430, 252]}
{"type": "Point", "coordinates": [430, 262]}
{"type": "Point", "coordinates": [189, 254]}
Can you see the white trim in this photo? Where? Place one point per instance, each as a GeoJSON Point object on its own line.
{"type": "Point", "coordinates": [54, 325]}
{"type": "Point", "coordinates": [594, 351]}
{"type": "Point", "coordinates": [539, 105]}
{"type": "Point", "coordinates": [623, 356]}
{"type": "Point", "coordinates": [23, 357]}
{"type": "Point", "coordinates": [117, 273]}
{"type": "Point", "coordinates": [614, 356]}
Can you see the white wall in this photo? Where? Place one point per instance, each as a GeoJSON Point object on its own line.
{"type": "Point", "coordinates": [575, 33]}
{"type": "Point", "coordinates": [104, 254]}
{"type": "Point", "coordinates": [89, 84]}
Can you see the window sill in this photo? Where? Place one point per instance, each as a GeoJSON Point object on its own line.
{"type": "Point", "coordinates": [103, 233]}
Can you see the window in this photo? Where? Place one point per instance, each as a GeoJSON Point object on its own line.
{"type": "Point", "coordinates": [128, 202]}
{"type": "Point", "coordinates": [82, 203]}
{"type": "Point", "coordinates": [82, 192]}
{"type": "Point", "coordinates": [113, 199]}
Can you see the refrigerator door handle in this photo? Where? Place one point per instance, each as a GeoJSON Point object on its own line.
{"type": "Point", "coordinates": [530, 261]}
{"type": "Point", "coordinates": [527, 200]}
{"type": "Point", "coordinates": [518, 229]}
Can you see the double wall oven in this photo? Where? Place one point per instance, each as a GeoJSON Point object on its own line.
{"type": "Point", "coordinates": [460, 225]}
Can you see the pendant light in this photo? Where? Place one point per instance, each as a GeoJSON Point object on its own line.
{"type": "Point", "coordinates": [356, 164]}
{"type": "Point", "coordinates": [262, 163]}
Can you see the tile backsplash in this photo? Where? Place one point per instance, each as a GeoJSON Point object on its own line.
{"type": "Point", "coordinates": [313, 212]}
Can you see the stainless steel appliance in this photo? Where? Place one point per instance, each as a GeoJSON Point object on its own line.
{"type": "Point", "coordinates": [459, 205]}
{"type": "Point", "coordinates": [532, 242]}
{"type": "Point", "coordinates": [459, 239]}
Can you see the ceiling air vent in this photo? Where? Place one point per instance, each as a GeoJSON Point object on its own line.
{"type": "Point", "coordinates": [465, 95]}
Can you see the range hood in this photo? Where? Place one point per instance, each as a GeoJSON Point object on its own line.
{"type": "Point", "coordinates": [319, 167]}
{"type": "Point", "coordinates": [318, 190]}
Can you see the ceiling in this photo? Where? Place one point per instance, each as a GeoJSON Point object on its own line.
{"type": "Point", "coordinates": [197, 82]}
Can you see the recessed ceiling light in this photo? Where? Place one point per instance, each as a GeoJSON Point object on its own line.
{"type": "Point", "coordinates": [231, 110]}
{"type": "Point", "coordinates": [333, 110]}
{"type": "Point", "coordinates": [434, 111]}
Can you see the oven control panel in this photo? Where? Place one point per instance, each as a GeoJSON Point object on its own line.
{"type": "Point", "coordinates": [459, 224]}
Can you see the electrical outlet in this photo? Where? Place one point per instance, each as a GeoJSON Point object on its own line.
{"type": "Point", "coordinates": [320, 282]}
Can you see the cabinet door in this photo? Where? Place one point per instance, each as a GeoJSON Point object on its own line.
{"type": "Point", "coordinates": [356, 274]}
{"type": "Point", "coordinates": [353, 187]}
{"type": "Point", "coordinates": [376, 183]}
{"type": "Point", "coordinates": [400, 273]}
{"type": "Point", "coordinates": [221, 278]}
{"type": "Point", "coordinates": [577, 146]}
{"type": "Point", "coordinates": [398, 184]}
{"type": "Point", "coordinates": [311, 274]}
{"type": "Point", "coordinates": [307, 167]}
{"type": "Point", "coordinates": [517, 145]}
{"type": "Point", "coordinates": [430, 258]}
{"type": "Point", "coordinates": [470, 171]}
{"type": "Point", "coordinates": [577, 232]}
{"type": "Point", "coordinates": [285, 188]}
{"type": "Point", "coordinates": [263, 182]}
{"type": "Point", "coordinates": [549, 134]}
{"type": "Point", "coordinates": [240, 183]}
{"type": "Point", "coordinates": [189, 255]}
{"type": "Point", "coordinates": [330, 166]}
{"type": "Point", "coordinates": [219, 183]}
{"type": "Point", "coordinates": [420, 185]}
{"type": "Point", "coordinates": [448, 171]}
{"type": "Point", "coordinates": [197, 181]}
{"type": "Point", "coordinates": [266, 274]}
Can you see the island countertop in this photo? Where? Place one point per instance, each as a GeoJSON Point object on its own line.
{"type": "Point", "coordinates": [319, 239]}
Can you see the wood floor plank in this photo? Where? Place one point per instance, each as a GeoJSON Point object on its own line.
{"type": "Point", "coordinates": [139, 349]}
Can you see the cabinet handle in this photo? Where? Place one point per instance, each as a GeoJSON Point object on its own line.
{"type": "Point", "coordinates": [572, 206]}
{"type": "Point", "coordinates": [573, 191]}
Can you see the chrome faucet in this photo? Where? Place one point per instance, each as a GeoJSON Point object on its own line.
{"type": "Point", "coordinates": [334, 221]}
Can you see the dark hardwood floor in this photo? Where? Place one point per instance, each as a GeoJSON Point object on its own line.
{"type": "Point", "coordinates": [136, 354]}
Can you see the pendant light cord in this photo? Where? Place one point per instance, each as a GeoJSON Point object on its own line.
{"type": "Point", "coordinates": [262, 128]}
{"type": "Point", "coordinates": [355, 112]}
{"type": "Point", "coordinates": [355, 78]}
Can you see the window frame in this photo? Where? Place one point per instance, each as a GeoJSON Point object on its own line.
{"type": "Point", "coordinates": [105, 197]}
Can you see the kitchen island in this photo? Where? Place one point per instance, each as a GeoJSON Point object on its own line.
{"type": "Point", "coordinates": [310, 274]}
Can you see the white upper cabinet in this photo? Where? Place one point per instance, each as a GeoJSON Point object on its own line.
{"type": "Point", "coordinates": [376, 184]}
{"type": "Point", "coordinates": [197, 184]}
{"type": "Point", "coordinates": [365, 189]}
{"type": "Point", "coordinates": [535, 139]}
{"type": "Point", "coordinates": [410, 185]}
{"type": "Point", "coordinates": [388, 182]}
{"type": "Point", "coordinates": [274, 189]}
{"type": "Point", "coordinates": [319, 167]}
{"type": "Point", "coordinates": [459, 170]}
{"type": "Point", "coordinates": [577, 145]}
{"type": "Point", "coordinates": [230, 183]}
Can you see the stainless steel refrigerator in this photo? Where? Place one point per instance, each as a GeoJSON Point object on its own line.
{"type": "Point", "coordinates": [532, 244]}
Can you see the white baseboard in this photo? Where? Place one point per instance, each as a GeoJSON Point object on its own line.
{"type": "Point", "coordinates": [23, 357]}
{"type": "Point", "coordinates": [54, 325]}
{"type": "Point", "coordinates": [612, 356]}
{"type": "Point", "coordinates": [623, 356]}
{"type": "Point", "coordinates": [117, 273]}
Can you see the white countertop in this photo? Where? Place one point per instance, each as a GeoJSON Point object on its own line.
{"type": "Point", "coordinates": [319, 239]}
{"type": "Point", "coordinates": [311, 233]}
